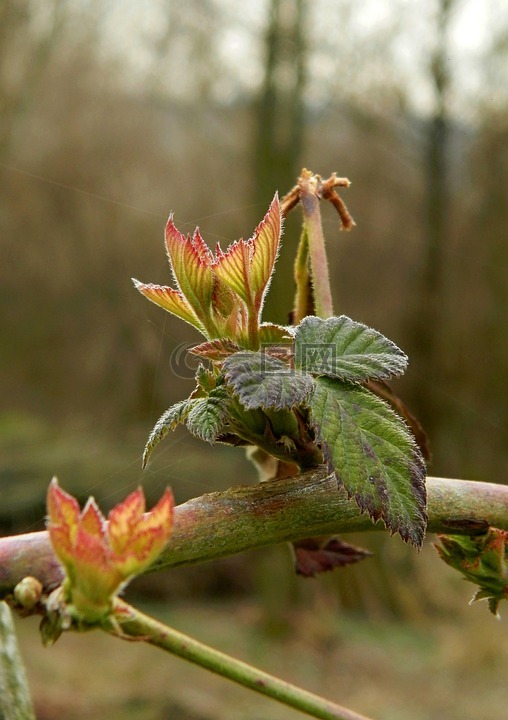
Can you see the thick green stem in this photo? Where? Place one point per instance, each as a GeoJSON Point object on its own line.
{"type": "Point", "coordinates": [15, 703]}
{"type": "Point", "coordinates": [310, 186]}
{"type": "Point", "coordinates": [246, 517]}
{"type": "Point", "coordinates": [304, 304]}
{"type": "Point", "coordinates": [164, 637]}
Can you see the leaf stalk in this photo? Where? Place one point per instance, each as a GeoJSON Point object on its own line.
{"type": "Point", "coordinates": [139, 625]}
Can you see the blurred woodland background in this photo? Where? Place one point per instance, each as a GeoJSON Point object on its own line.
{"type": "Point", "coordinates": [113, 114]}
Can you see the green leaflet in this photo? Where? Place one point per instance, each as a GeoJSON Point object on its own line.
{"type": "Point", "coordinates": [373, 454]}
{"type": "Point", "coordinates": [262, 381]}
{"type": "Point", "coordinates": [204, 413]}
{"type": "Point", "coordinates": [206, 381]}
{"type": "Point", "coordinates": [342, 348]}
{"type": "Point", "coordinates": [175, 415]}
{"type": "Point", "coordinates": [207, 416]}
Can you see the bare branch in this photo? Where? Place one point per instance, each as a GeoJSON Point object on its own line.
{"type": "Point", "coordinates": [245, 517]}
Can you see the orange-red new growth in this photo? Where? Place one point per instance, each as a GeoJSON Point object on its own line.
{"type": "Point", "coordinates": [100, 557]}
{"type": "Point", "coordinates": [221, 295]}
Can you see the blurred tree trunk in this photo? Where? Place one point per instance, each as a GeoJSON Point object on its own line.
{"type": "Point", "coordinates": [279, 125]}
{"type": "Point", "coordinates": [18, 83]}
{"type": "Point", "coordinates": [429, 294]}
{"type": "Point", "coordinates": [277, 146]}
{"type": "Point", "coordinates": [280, 108]}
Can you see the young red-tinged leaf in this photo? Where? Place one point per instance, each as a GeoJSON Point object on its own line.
{"type": "Point", "coordinates": [123, 518]}
{"type": "Point", "coordinates": [63, 546]}
{"type": "Point", "coordinates": [92, 520]}
{"type": "Point", "coordinates": [160, 517]}
{"type": "Point", "coordinates": [265, 242]}
{"type": "Point", "coordinates": [232, 268]}
{"type": "Point", "coordinates": [225, 302]}
{"type": "Point", "coordinates": [247, 265]}
{"type": "Point", "coordinates": [92, 552]}
{"type": "Point", "coordinates": [144, 547]}
{"type": "Point", "coordinates": [94, 578]}
{"type": "Point", "coordinates": [98, 558]}
{"type": "Point", "coordinates": [201, 248]}
{"type": "Point", "coordinates": [62, 508]}
{"type": "Point", "coordinates": [277, 341]}
{"type": "Point", "coordinates": [169, 299]}
{"type": "Point", "coordinates": [146, 537]}
{"type": "Point", "coordinates": [216, 350]}
{"type": "Point", "coordinates": [191, 262]}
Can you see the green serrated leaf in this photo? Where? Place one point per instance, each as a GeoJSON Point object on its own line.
{"type": "Point", "coordinates": [342, 348]}
{"type": "Point", "coordinates": [208, 415]}
{"type": "Point", "coordinates": [175, 415]}
{"type": "Point", "coordinates": [262, 381]}
{"type": "Point", "coordinates": [373, 454]}
{"type": "Point", "coordinates": [206, 381]}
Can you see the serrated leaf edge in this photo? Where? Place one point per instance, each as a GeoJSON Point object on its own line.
{"type": "Point", "coordinates": [416, 460]}
{"type": "Point", "coordinates": [248, 403]}
{"type": "Point", "coordinates": [394, 360]}
{"type": "Point", "coordinates": [218, 399]}
{"type": "Point", "coordinates": [169, 420]}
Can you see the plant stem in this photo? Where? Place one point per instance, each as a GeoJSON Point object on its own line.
{"type": "Point", "coordinates": [304, 304]}
{"type": "Point", "coordinates": [310, 186]}
{"type": "Point", "coordinates": [15, 703]}
{"type": "Point", "coordinates": [253, 328]}
{"type": "Point", "coordinates": [156, 633]}
{"type": "Point", "coordinates": [271, 512]}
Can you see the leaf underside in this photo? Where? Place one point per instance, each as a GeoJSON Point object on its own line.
{"type": "Point", "coordinates": [315, 555]}
{"type": "Point", "coordinates": [373, 454]}
{"type": "Point", "coordinates": [342, 348]}
{"type": "Point", "coordinates": [262, 381]}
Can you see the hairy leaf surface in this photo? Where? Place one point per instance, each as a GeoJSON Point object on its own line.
{"type": "Point", "coordinates": [247, 265]}
{"type": "Point", "coordinates": [217, 349]}
{"type": "Point", "coordinates": [262, 381]}
{"type": "Point", "coordinates": [191, 262]}
{"type": "Point", "coordinates": [169, 299]}
{"type": "Point", "coordinates": [373, 454]}
{"type": "Point", "coordinates": [175, 415]}
{"type": "Point", "coordinates": [342, 348]}
{"type": "Point", "coordinates": [208, 415]}
{"type": "Point", "coordinates": [265, 242]}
